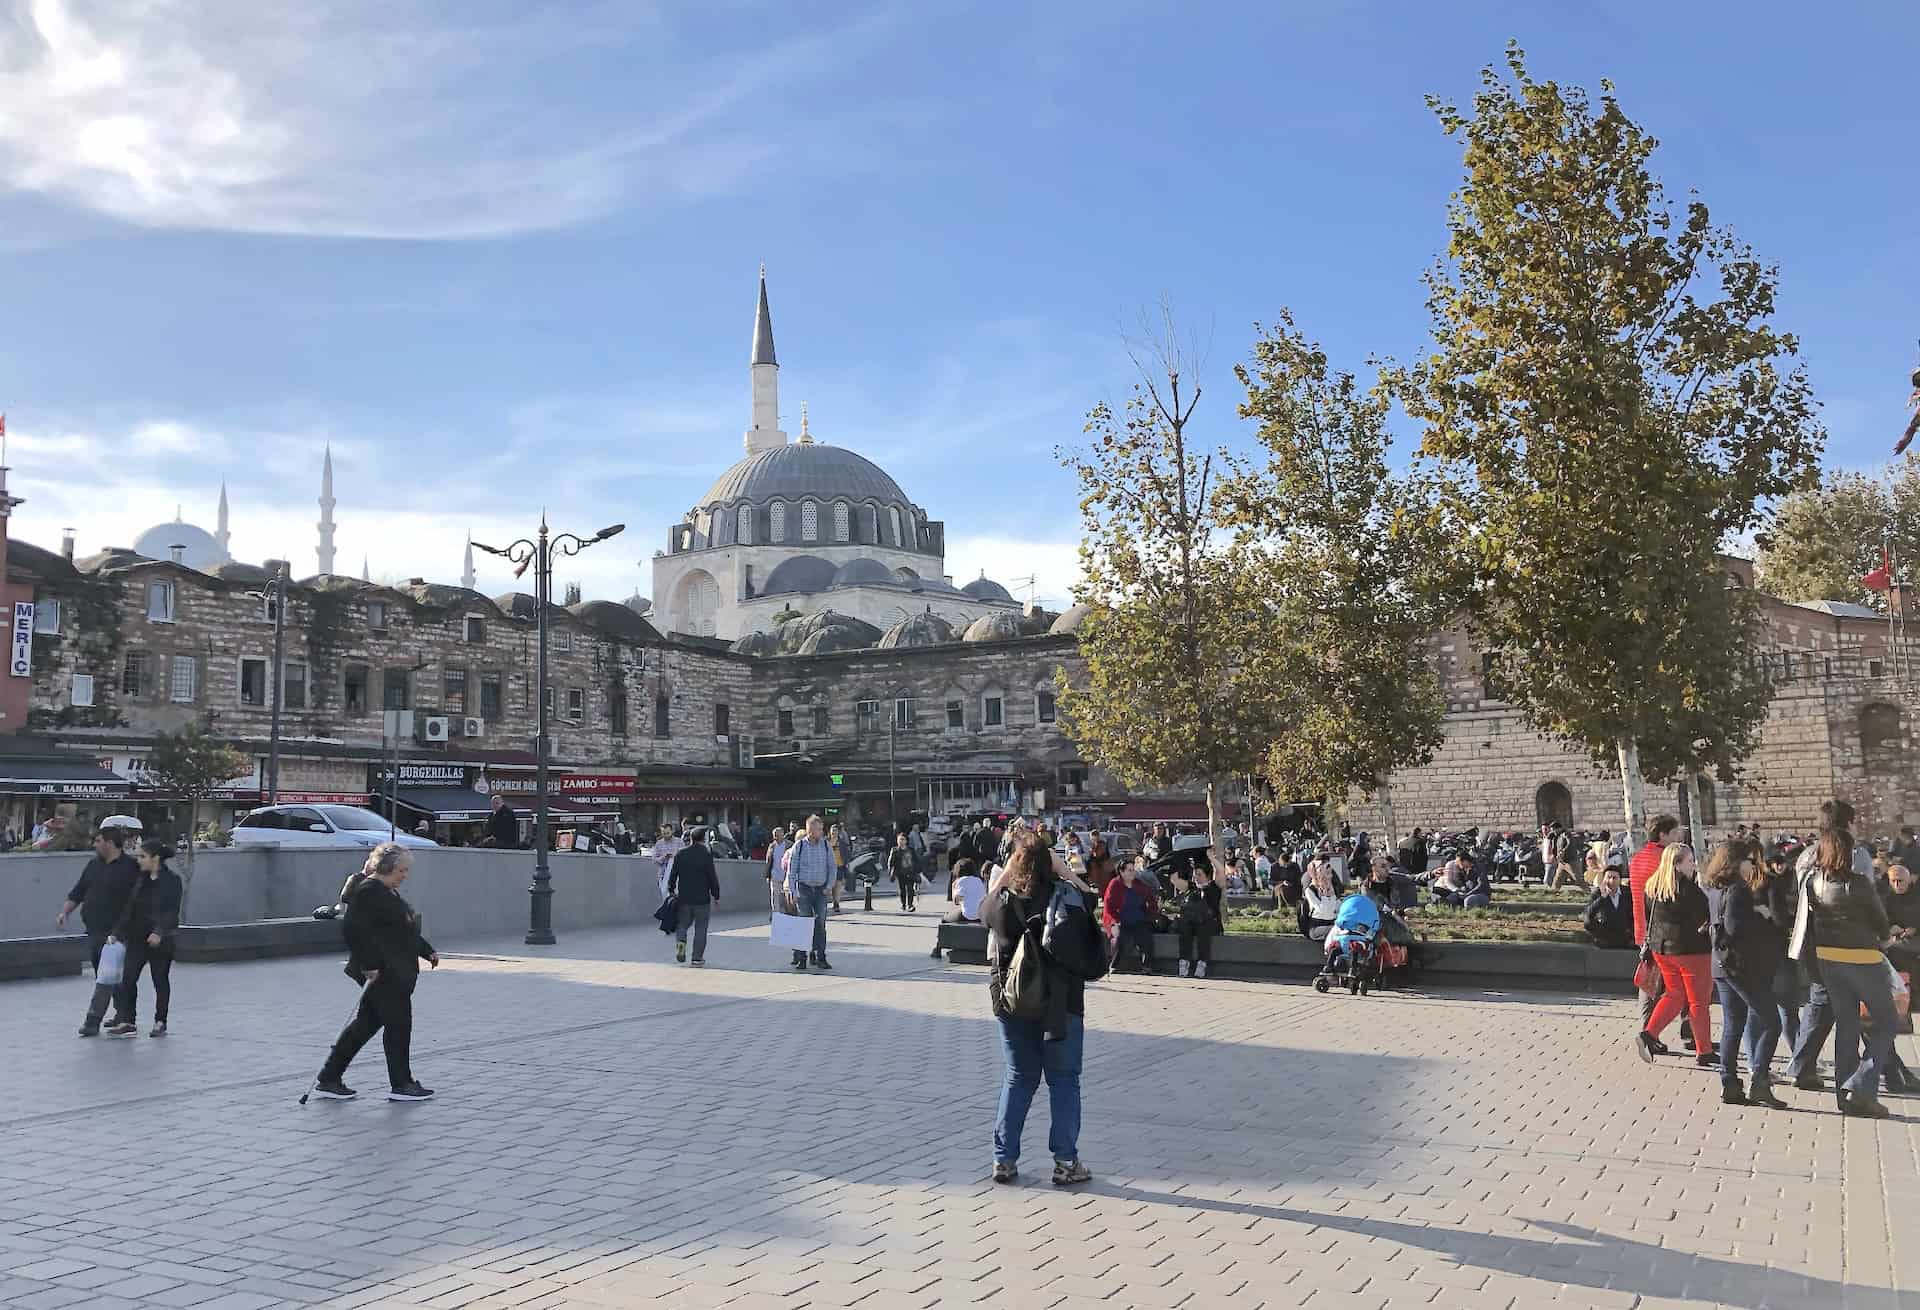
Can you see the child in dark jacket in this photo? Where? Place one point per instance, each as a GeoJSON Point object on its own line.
{"type": "Point", "coordinates": [148, 926]}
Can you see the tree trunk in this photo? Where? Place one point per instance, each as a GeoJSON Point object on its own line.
{"type": "Point", "coordinates": [1696, 826]}
{"type": "Point", "coordinates": [1385, 793]}
{"type": "Point", "coordinates": [1213, 813]}
{"type": "Point", "coordinates": [1633, 790]}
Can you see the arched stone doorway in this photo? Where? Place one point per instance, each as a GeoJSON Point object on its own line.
{"type": "Point", "coordinates": [1553, 803]}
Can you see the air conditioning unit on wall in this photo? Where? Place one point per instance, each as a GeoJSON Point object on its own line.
{"type": "Point", "coordinates": [475, 727]}
{"type": "Point", "coordinates": [433, 728]}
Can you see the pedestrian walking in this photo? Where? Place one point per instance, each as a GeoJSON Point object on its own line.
{"type": "Point", "coordinates": [837, 843]}
{"type": "Point", "coordinates": [101, 895]}
{"type": "Point", "coordinates": [1679, 941]}
{"type": "Point", "coordinates": [384, 950]}
{"type": "Point", "coordinates": [148, 927]}
{"type": "Point", "coordinates": [694, 883]}
{"type": "Point", "coordinates": [1034, 1048]}
{"type": "Point", "coordinates": [503, 826]}
{"type": "Point", "coordinates": [1816, 1016]}
{"type": "Point", "coordinates": [904, 869]}
{"type": "Point", "coordinates": [1747, 950]}
{"type": "Point", "coordinates": [1843, 927]}
{"type": "Point", "coordinates": [1660, 834]}
{"type": "Point", "coordinates": [808, 883]}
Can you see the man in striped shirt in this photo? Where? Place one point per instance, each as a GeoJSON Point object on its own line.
{"type": "Point", "coordinates": [809, 878]}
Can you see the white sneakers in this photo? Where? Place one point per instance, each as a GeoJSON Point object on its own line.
{"type": "Point", "coordinates": [1183, 968]}
{"type": "Point", "coordinates": [1199, 968]}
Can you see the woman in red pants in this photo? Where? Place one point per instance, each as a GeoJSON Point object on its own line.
{"type": "Point", "coordinates": [1677, 933]}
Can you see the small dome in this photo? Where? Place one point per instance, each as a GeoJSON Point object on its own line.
{"type": "Point", "coordinates": [937, 586]}
{"type": "Point", "coordinates": [614, 620]}
{"type": "Point", "coordinates": [828, 640]}
{"type": "Point", "coordinates": [638, 603]}
{"type": "Point", "coordinates": [1070, 621]}
{"type": "Point", "coordinates": [917, 630]}
{"type": "Point", "coordinates": [1037, 622]}
{"type": "Point", "coordinates": [864, 573]}
{"type": "Point", "coordinates": [757, 644]}
{"type": "Point", "coordinates": [795, 635]}
{"type": "Point", "coordinates": [985, 588]}
{"type": "Point", "coordinates": [801, 573]}
{"type": "Point", "coordinates": [995, 627]}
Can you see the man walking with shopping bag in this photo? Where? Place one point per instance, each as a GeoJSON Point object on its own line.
{"type": "Point", "coordinates": [101, 896]}
{"type": "Point", "coordinates": [808, 885]}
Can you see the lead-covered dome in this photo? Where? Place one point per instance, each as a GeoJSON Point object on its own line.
{"type": "Point", "coordinates": [201, 549]}
{"type": "Point", "coordinates": [804, 574]}
{"type": "Point", "coordinates": [865, 573]}
{"type": "Point", "coordinates": [985, 588]}
{"type": "Point", "coordinates": [995, 627]}
{"type": "Point", "coordinates": [917, 630]}
{"type": "Point", "coordinates": [800, 470]}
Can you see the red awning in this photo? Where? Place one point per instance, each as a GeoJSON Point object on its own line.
{"type": "Point", "coordinates": [1141, 811]}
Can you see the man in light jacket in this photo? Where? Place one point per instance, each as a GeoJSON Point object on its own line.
{"type": "Point", "coordinates": [809, 874]}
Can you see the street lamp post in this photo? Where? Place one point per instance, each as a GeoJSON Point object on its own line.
{"type": "Point", "coordinates": [539, 552]}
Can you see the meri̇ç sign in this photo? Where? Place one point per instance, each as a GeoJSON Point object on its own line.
{"type": "Point", "coordinates": [22, 665]}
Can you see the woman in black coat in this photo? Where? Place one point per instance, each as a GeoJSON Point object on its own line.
{"type": "Point", "coordinates": [1747, 950]}
{"type": "Point", "coordinates": [385, 948]}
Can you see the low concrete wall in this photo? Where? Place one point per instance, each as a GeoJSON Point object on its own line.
{"type": "Point", "coordinates": [1546, 965]}
{"type": "Point", "coordinates": [460, 892]}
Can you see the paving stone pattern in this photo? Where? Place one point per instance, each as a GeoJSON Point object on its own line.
{"type": "Point", "coordinates": [613, 1131]}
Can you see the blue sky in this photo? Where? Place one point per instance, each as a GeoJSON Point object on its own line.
{"type": "Point", "coordinates": [502, 254]}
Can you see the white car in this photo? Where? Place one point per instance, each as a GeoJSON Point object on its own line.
{"type": "Point", "coordinates": [313, 827]}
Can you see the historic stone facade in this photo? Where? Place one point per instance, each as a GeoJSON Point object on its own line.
{"type": "Point", "coordinates": [1841, 724]}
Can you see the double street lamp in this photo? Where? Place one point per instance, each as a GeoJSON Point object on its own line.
{"type": "Point", "coordinates": [539, 552]}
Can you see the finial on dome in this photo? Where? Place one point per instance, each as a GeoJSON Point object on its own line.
{"type": "Point", "coordinates": [806, 437]}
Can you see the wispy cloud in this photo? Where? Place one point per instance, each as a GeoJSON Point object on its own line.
{"type": "Point", "coordinates": [376, 118]}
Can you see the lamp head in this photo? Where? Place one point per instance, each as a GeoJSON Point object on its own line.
{"type": "Point", "coordinates": [613, 531]}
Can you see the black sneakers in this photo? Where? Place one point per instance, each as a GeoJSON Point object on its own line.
{"type": "Point", "coordinates": [413, 1091]}
{"type": "Point", "coordinates": [125, 1028]}
{"type": "Point", "coordinates": [332, 1089]}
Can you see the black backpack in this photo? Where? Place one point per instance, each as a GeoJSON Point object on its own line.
{"type": "Point", "coordinates": [1027, 990]}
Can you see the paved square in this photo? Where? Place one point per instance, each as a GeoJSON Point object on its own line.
{"type": "Point", "coordinates": [614, 1131]}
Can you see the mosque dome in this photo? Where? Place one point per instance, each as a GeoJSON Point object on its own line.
{"type": "Point", "coordinates": [985, 588]}
{"type": "Point", "coordinates": [613, 619]}
{"type": "Point", "coordinates": [1071, 621]}
{"type": "Point", "coordinates": [917, 630]}
{"type": "Point", "coordinates": [801, 573]}
{"type": "Point", "coordinates": [203, 549]}
{"type": "Point", "coordinates": [995, 627]}
{"type": "Point", "coordinates": [865, 573]}
{"type": "Point", "coordinates": [800, 470]}
{"type": "Point", "coordinates": [639, 604]}
{"type": "Point", "coordinates": [848, 633]}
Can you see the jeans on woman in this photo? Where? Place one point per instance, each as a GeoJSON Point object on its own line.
{"type": "Point", "coordinates": [1852, 986]}
{"type": "Point", "coordinates": [1750, 1008]}
{"type": "Point", "coordinates": [1029, 1056]}
{"type": "Point", "coordinates": [1689, 977]}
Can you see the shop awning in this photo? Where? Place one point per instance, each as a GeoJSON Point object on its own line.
{"type": "Point", "coordinates": [75, 778]}
{"type": "Point", "coordinates": [446, 804]}
{"type": "Point", "coordinates": [684, 796]}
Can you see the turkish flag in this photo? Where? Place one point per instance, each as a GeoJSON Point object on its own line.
{"type": "Point", "coordinates": [1881, 579]}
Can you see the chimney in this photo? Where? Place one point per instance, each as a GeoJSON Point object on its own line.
{"type": "Point", "coordinates": [66, 544]}
{"type": "Point", "coordinates": [274, 567]}
{"type": "Point", "coordinates": [416, 582]}
{"type": "Point", "coordinates": [178, 553]}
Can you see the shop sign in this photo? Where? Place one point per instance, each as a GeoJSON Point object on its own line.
{"type": "Point", "coordinates": [324, 798]}
{"type": "Point", "coordinates": [22, 666]}
{"type": "Point", "coordinates": [596, 784]}
{"type": "Point", "coordinates": [243, 787]}
{"type": "Point", "coordinates": [79, 790]}
{"type": "Point", "coordinates": [417, 774]}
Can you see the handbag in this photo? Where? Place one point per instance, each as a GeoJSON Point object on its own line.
{"type": "Point", "coordinates": [113, 965]}
{"type": "Point", "coordinates": [1646, 974]}
{"type": "Point", "coordinates": [1800, 945]}
{"type": "Point", "coordinates": [793, 931]}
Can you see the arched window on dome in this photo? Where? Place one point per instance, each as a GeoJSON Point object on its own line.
{"type": "Point", "coordinates": [777, 522]}
{"type": "Point", "coordinates": [840, 526]}
{"type": "Point", "coordinates": [893, 526]}
{"type": "Point", "coordinates": [870, 525]}
{"type": "Point", "coordinates": [809, 521]}
{"type": "Point", "coordinates": [743, 526]}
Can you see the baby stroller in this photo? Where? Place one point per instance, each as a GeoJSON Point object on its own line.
{"type": "Point", "coordinates": [1353, 948]}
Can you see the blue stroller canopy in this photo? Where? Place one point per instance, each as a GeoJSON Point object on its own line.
{"type": "Point", "coordinates": [1358, 914]}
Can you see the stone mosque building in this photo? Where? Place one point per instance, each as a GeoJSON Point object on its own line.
{"type": "Point", "coordinates": [800, 525]}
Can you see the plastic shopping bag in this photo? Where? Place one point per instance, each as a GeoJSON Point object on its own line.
{"type": "Point", "coordinates": [113, 964]}
{"type": "Point", "coordinates": [793, 931]}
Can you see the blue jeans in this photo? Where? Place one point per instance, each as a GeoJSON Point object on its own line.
{"type": "Point", "coordinates": [1851, 986]}
{"type": "Point", "coordinates": [1816, 1022]}
{"type": "Point", "coordinates": [814, 901]}
{"type": "Point", "coordinates": [1752, 1009]}
{"type": "Point", "coordinates": [1028, 1055]}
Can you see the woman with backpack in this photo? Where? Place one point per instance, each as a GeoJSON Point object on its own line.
{"type": "Point", "coordinates": [1040, 1036]}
